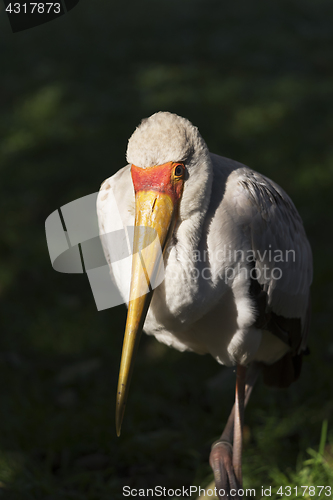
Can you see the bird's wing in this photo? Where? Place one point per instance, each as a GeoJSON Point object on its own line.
{"type": "Point", "coordinates": [282, 254]}
{"type": "Point", "coordinates": [116, 197]}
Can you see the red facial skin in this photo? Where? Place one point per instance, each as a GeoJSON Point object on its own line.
{"type": "Point", "coordinates": [160, 178]}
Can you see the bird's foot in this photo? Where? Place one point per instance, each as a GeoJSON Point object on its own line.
{"type": "Point", "coordinates": [220, 460]}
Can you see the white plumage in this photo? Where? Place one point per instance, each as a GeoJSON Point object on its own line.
{"type": "Point", "coordinates": [237, 267]}
{"type": "Point", "coordinates": [205, 303]}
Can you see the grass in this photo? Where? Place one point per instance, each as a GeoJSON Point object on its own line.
{"type": "Point", "coordinates": [311, 477]}
{"type": "Point", "coordinates": [256, 79]}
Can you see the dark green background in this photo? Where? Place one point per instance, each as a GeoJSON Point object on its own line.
{"type": "Point", "coordinates": [257, 79]}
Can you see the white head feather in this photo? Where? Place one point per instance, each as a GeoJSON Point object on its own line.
{"type": "Point", "coordinates": [165, 137]}
{"type": "Point", "coordinates": [161, 138]}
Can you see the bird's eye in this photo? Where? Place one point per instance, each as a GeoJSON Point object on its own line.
{"type": "Point", "coordinates": [179, 170]}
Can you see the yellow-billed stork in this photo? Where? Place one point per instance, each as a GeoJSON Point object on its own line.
{"type": "Point", "coordinates": [237, 266]}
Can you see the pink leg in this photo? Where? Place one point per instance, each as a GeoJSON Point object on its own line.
{"type": "Point", "coordinates": [226, 459]}
{"type": "Point", "coordinates": [238, 423]}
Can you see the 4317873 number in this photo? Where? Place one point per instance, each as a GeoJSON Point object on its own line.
{"type": "Point", "coordinates": [311, 491]}
{"type": "Point", "coordinates": [33, 8]}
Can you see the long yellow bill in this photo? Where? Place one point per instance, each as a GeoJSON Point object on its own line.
{"type": "Point", "coordinates": [154, 215]}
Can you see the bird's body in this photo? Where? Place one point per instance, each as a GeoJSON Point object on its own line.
{"type": "Point", "coordinates": [237, 266]}
{"type": "Point", "coordinates": [205, 302]}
